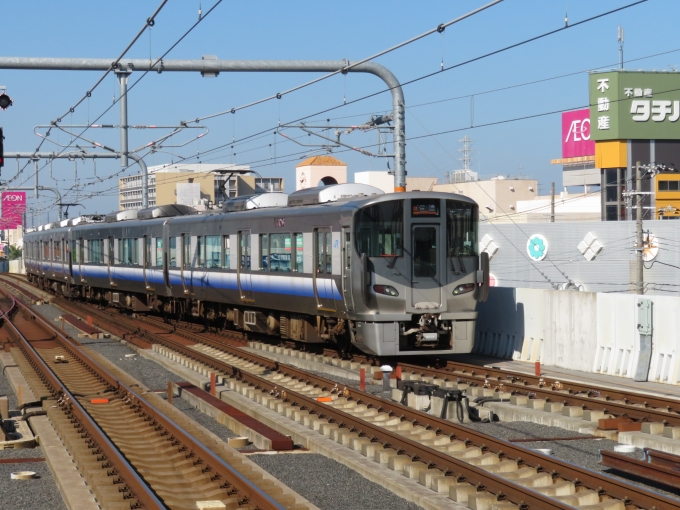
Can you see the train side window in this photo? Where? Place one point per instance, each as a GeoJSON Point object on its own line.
{"type": "Point", "coordinates": [297, 259]}
{"type": "Point", "coordinates": [74, 251]}
{"type": "Point", "coordinates": [96, 251]}
{"type": "Point", "coordinates": [329, 257]}
{"type": "Point", "coordinates": [147, 251]}
{"type": "Point", "coordinates": [264, 252]}
{"type": "Point", "coordinates": [81, 250]}
{"type": "Point", "coordinates": [47, 250]}
{"type": "Point", "coordinates": [173, 252]}
{"type": "Point", "coordinates": [200, 251]}
{"type": "Point", "coordinates": [245, 249]}
{"type": "Point", "coordinates": [212, 252]}
{"type": "Point", "coordinates": [227, 260]}
{"type": "Point", "coordinates": [186, 251]}
{"type": "Point", "coordinates": [280, 252]}
{"type": "Point", "coordinates": [57, 251]}
{"type": "Point", "coordinates": [348, 249]}
{"type": "Point", "coordinates": [159, 252]}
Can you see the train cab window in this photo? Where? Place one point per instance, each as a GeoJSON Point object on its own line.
{"type": "Point", "coordinates": [173, 252]}
{"type": "Point", "coordinates": [159, 252]}
{"type": "Point", "coordinates": [298, 259]}
{"type": "Point", "coordinates": [379, 229]}
{"type": "Point", "coordinates": [280, 253]}
{"type": "Point", "coordinates": [461, 228]}
{"type": "Point", "coordinates": [200, 251]}
{"type": "Point", "coordinates": [212, 252]}
{"type": "Point", "coordinates": [186, 251]}
{"type": "Point", "coordinates": [227, 258]}
{"type": "Point", "coordinates": [264, 252]}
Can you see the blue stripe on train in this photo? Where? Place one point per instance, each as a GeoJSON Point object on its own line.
{"type": "Point", "coordinates": [259, 283]}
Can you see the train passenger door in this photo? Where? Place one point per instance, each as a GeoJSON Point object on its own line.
{"type": "Point", "coordinates": [81, 253]}
{"type": "Point", "coordinates": [110, 260]}
{"type": "Point", "coordinates": [185, 271]}
{"type": "Point", "coordinates": [146, 261]}
{"type": "Point", "coordinates": [323, 284]}
{"type": "Point", "coordinates": [71, 249]}
{"type": "Point", "coordinates": [426, 281]}
{"type": "Point", "coordinates": [245, 284]}
{"type": "Point", "coordinates": [347, 269]}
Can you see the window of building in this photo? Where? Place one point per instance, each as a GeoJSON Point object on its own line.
{"type": "Point", "coordinates": [669, 185]}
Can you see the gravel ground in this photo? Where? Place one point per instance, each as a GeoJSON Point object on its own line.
{"type": "Point", "coordinates": [584, 453]}
{"type": "Point", "coordinates": [40, 492]}
{"type": "Point", "coordinates": [328, 484]}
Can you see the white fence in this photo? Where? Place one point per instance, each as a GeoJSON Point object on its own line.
{"type": "Point", "coordinates": [588, 331]}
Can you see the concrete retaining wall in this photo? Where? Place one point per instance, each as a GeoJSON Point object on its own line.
{"type": "Point", "coordinates": [588, 331]}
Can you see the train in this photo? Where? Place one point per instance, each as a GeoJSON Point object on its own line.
{"type": "Point", "coordinates": [391, 274]}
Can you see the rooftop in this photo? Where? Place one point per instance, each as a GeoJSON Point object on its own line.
{"type": "Point", "coordinates": [321, 161]}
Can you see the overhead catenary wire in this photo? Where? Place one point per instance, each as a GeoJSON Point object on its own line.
{"type": "Point", "coordinates": [140, 78]}
{"type": "Point", "coordinates": [431, 74]}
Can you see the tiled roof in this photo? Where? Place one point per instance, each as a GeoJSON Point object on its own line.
{"type": "Point", "coordinates": [321, 161]}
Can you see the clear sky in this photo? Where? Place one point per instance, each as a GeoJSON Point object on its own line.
{"type": "Point", "coordinates": [319, 31]}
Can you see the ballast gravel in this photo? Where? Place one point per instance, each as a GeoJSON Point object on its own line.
{"type": "Point", "coordinates": [328, 484]}
{"type": "Point", "coordinates": [40, 492]}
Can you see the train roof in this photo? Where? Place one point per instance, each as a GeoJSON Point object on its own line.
{"type": "Point", "coordinates": [338, 198]}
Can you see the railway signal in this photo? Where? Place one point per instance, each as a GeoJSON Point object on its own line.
{"type": "Point", "coordinates": [5, 101]}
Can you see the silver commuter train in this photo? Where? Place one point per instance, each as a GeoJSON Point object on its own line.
{"type": "Point", "coordinates": [391, 274]}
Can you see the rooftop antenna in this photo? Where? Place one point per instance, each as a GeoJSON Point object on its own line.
{"type": "Point", "coordinates": [466, 151]}
{"type": "Point", "coordinates": [620, 39]}
{"type": "Point", "coordinates": [200, 11]}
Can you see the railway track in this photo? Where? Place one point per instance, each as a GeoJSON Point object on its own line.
{"type": "Point", "coordinates": [132, 454]}
{"type": "Point", "coordinates": [549, 390]}
{"type": "Point", "coordinates": [472, 467]}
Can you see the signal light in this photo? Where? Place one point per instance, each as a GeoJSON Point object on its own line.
{"type": "Point", "coordinates": [5, 101]}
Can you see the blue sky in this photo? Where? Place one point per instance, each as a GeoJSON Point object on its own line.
{"type": "Point", "coordinates": [323, 31]}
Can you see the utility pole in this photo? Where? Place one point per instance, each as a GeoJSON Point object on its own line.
{"type": "Point", "coordinates": [638, 229]}
{"type": "Point", "coordinates": [552, 202]}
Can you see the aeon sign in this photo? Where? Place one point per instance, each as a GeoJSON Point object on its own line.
{"type": "Point", "coordinates": [13, 208]}
{"type": "Point", "coordinates": [576, 140]}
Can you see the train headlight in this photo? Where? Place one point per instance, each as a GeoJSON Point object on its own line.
{"type": "Point", "coordinates": [388, 290]}
{"type": "Point", "coordinates": [463, 289]}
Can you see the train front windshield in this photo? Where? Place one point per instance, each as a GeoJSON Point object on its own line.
{"type": "Point", "coordinates": [461, 228]}
{"type": "Point", "coordinates": [380, 229]}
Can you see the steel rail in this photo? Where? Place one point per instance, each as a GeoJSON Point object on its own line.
{"type": "Point", "coordinates": [605, 486]}
{"type": "Point", "coordinates": [584, 401]}
{"type": "Point", "coordinates": [651, 471]}
{"type": "Point", "coordinates": [250, 491]}
{"type": "Point", "coordinates": [557, 384]}
{"type": "Point", "coordinates": [146, 497]}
